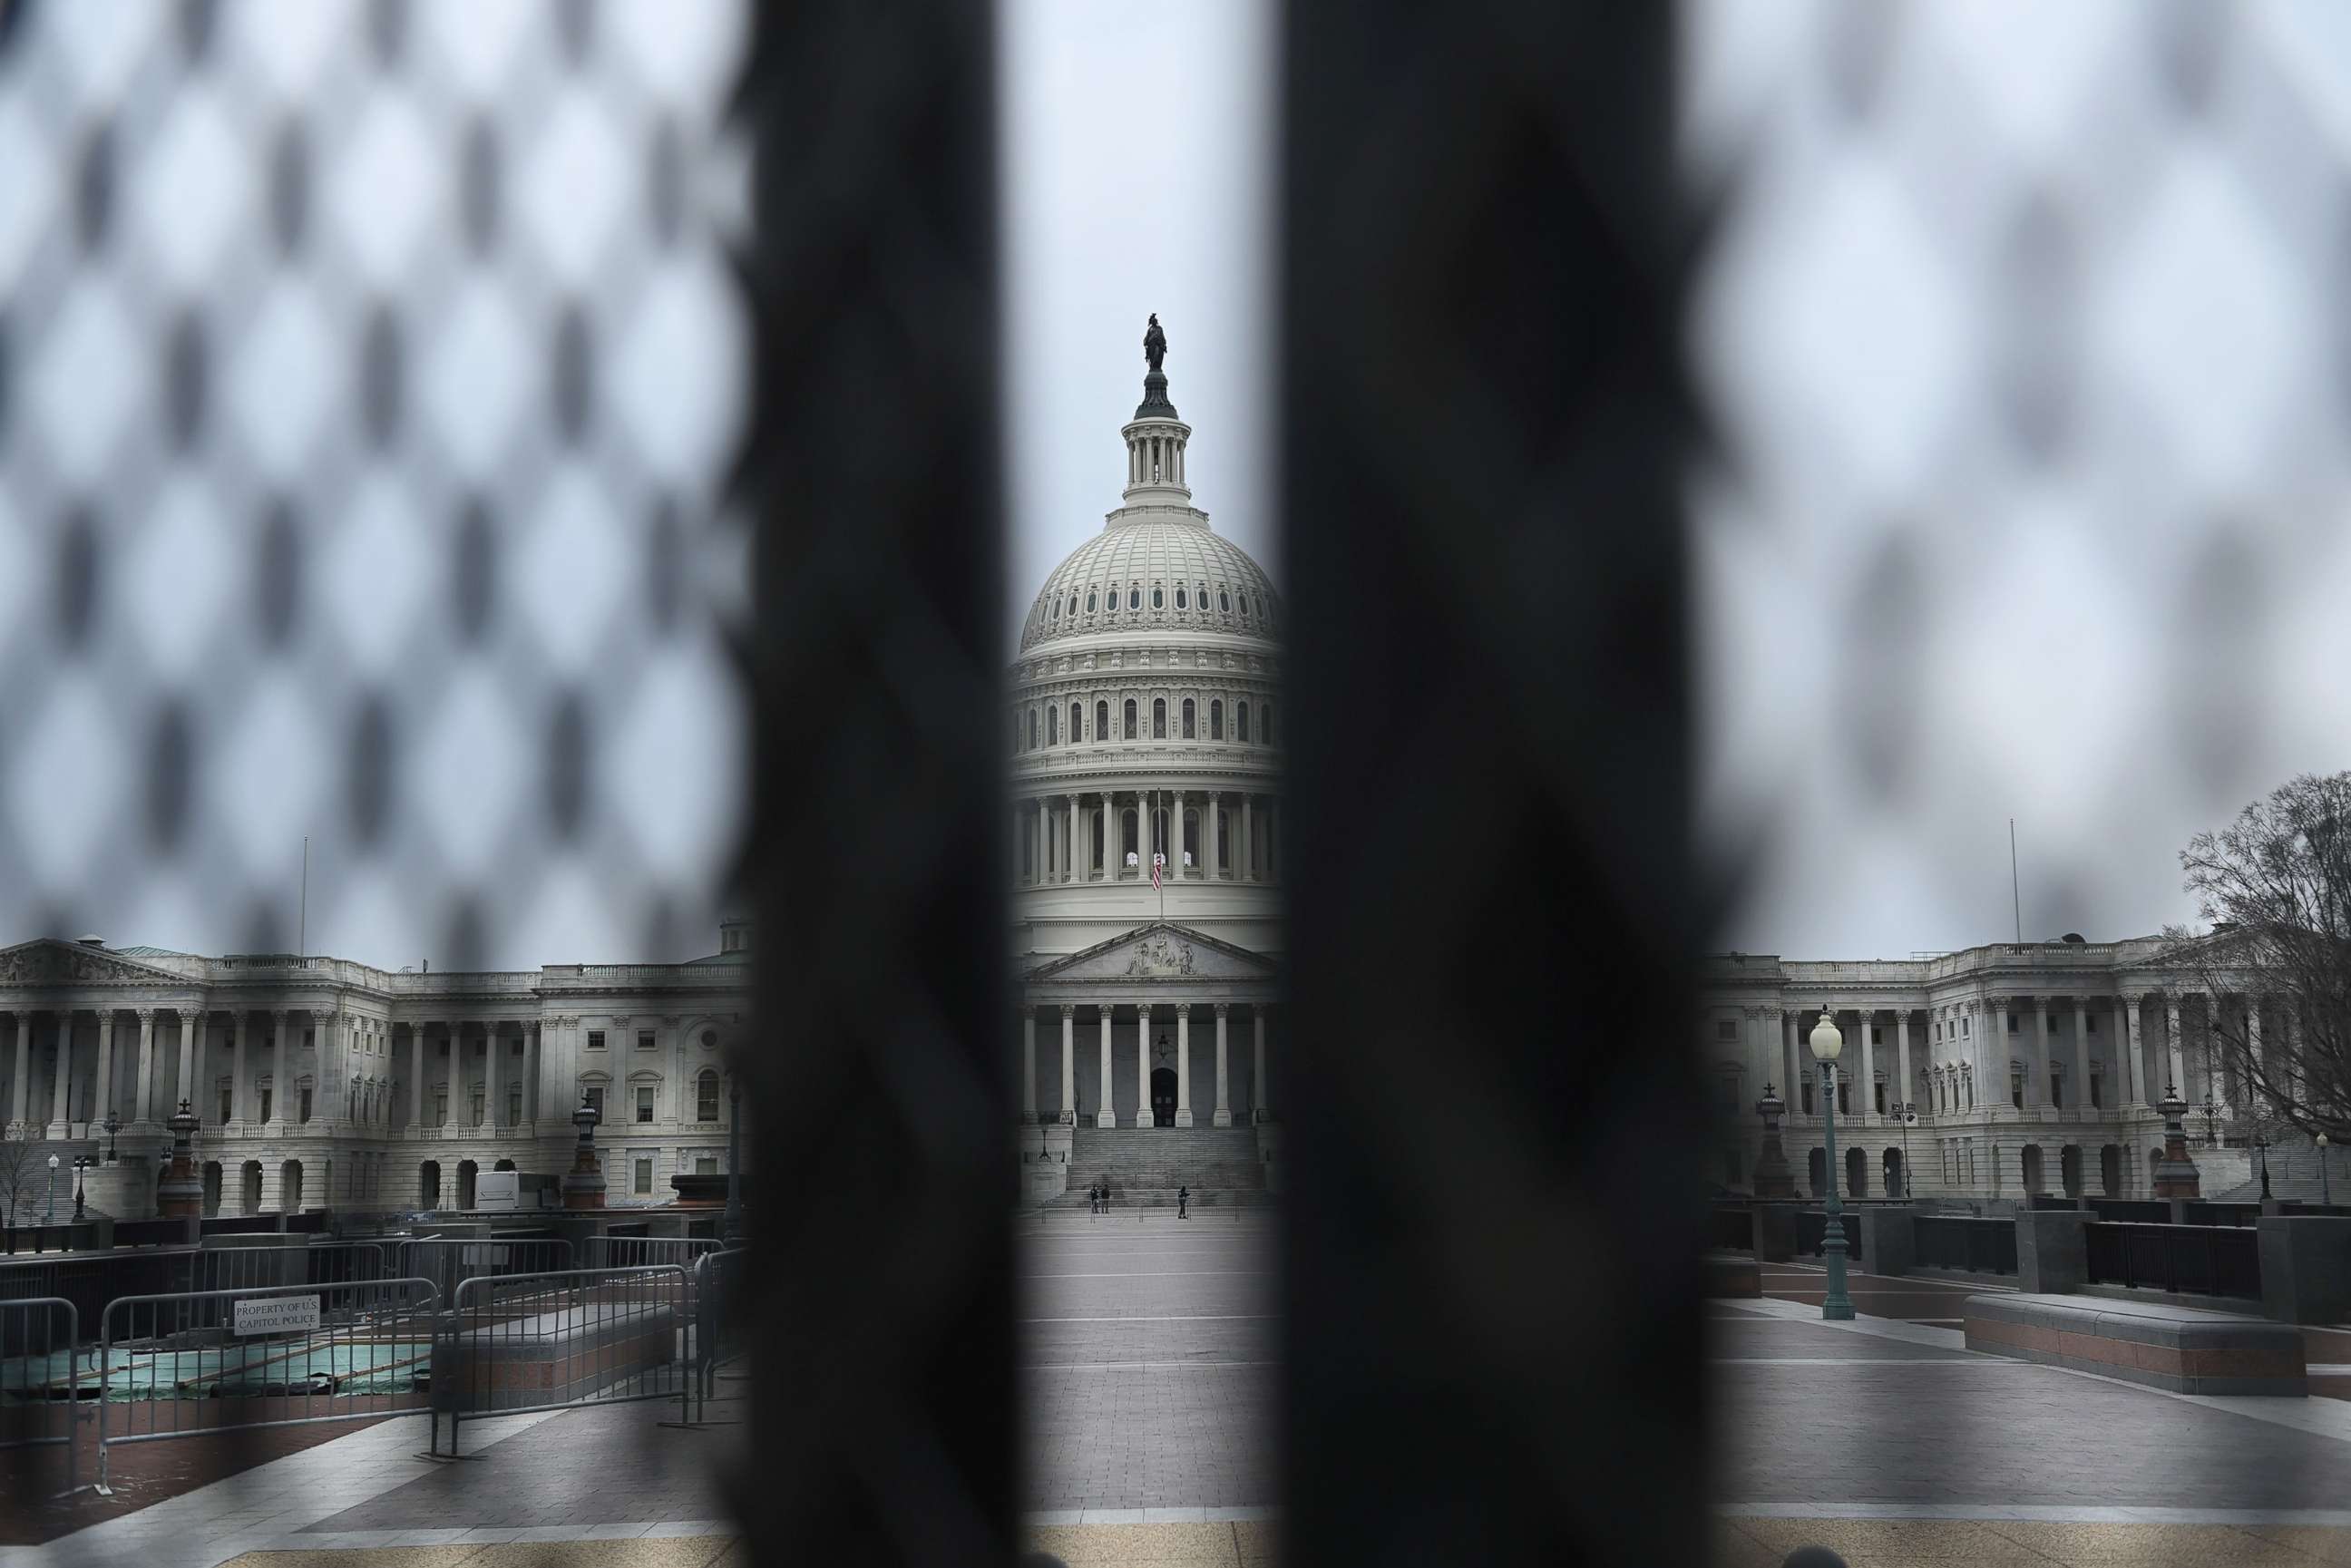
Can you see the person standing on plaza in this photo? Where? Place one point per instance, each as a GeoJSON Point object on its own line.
{"type": "Point", "coordinates": [1182, 1199]}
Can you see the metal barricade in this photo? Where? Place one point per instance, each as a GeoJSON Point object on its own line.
{"type": "Point", "coordinates": [320, 1263]}
{"type": "Point", "coordinates": [193, 1363]}
{"type": "Point", "coordinates": [38, 1373]}
{"type": "Point", "coordinates": [718, 1284]}
{"type": "Point", "coordinates": [636, 1251]}
{"type": "Point", "coordinates": [450, 1260]}
{"type": "Point", "coordinates": [555, 1339]}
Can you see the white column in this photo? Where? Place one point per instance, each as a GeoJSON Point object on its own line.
{"type": "Point", "coordinates": [415, 1076]}
{"type": "Point", "coordinates": [2253, 1050]}
{"type": "Point", "coordinates": [491, 1112]}
{"type": "Point", "coordinates": [1109, 840]}
{"type": "Point", "coordinates": [1865, 1093]}
{"type": "Point", "coordinates": [1257, 1015]}
{"type": "Point", "coordinates": [1044, 841]}
{"type": "Point", "coordinates": [1901, 1095]}
{"type": "Point", "coordinates": [1142, 1064]}
{"type": "Point", "coordinates": [1070, 856]}
{"type": "Point", "coordinates": [2042, 1057]}
{"type": "Point", "coordinates": [20, 1110]}
{"type": "Point", "coordinates": [2126, 1012]}
{"type": "Point", "coordinates": [1069, 1062]}
{"type": "Point", "coordinates": [1183, 1043]}
{"type": "Point", "coordinates": [1224, 1114]}
{"type": "Point", "coordinates": [2081, 1066]}
{"type": "Point", "coordinates": [277, 1080]}
{"type": "Point", "coordinates": [61, 1080]}
{"type": "Point", "coordinates": [328, 1093]}
{"type": "Point", "coordinates": [1176, 855]}
{"type": "Point", "coordinates": [1103, 1115]}
{"type": "Point", "coordinates": [104, 1098]}
{"type": "Point", "coordinates": [1028, 1067]}
{"type": "Point", "coordinates": [533, 1066]}
{"type": "Point", "coordinates": [144, 1109]}
{"type": "Point", "coordinates": [1247, 856]}
{"type": "Point", "coordinates": [1216, 837]}
{"type": "Point", "coordinates": [1788, 1080]}
{"type": "Point", "coordinates": [2177, 1081]}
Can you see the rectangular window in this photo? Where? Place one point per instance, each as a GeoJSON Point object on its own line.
{"type": "Point", "coordinates": [595, 1039]}
{"type": "Point", "coordinates": [2056, 1091]}
{"type": "Point", "coordinates": [1967, 1029]}
{"type": "Point", "coordinates": [1939, 1030]}
{"type": "Point", "coordinates": [2012, 1023]}
{"type": "Point", "coordinates": [596, 1098]}
{"type": "Point", "coordinates": [477, 1107]}
{"type": "Point", "coordinates": [2097, 1097]}
{"type": "Point", "coordinates": [443, 1048]}
{"type": "Point", "coordinates": [1877, 1034]}
{"type": "Point", "coordinates": [265, 1102]}
{"type": "Point", "coordinates": [2090, 1023]}
{"type": "Point", "coordinates": [1805, 1096]}
{"type": "Point", "coordinates": [1726, 1029]}
{"type": "Point", "coordinates": [644, 1102]}
{"type": "Point", "coordinates": [644, 1040]}
{"type": "Point", "coordinates": [2016, 1089]}
{"type": "Point", "coordinates": [1844, 1096]}
{"type": "Point", "coordinates": [705, 1100]}
{"type": "Point", "coordinates": [1880, 1095]}
{"type": "Point", "coordinates": [306, 1102]}
{"type": "Point", "coordinates": [513, 1107]}
{"type": "Point", "coordinates": [440, 1107]}
{"type": "Point", "coordinates": [706, 1164]}
{"type": "Point", "coordinates": [223, 1111]}
{"type": "Point", "coordinates": [310, 1039]}
{"type": "Point", "coordinates": [641, 1182]}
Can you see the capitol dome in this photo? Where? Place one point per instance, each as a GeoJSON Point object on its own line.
{"type": "Point", "coordinates": [1144, 721]}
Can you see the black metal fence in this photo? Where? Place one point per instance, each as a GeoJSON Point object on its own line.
{"type": "Point", "coordinates": [65, 1237]}
{"type": "Point", "coordinates": [573, 1336]}
{"type": "Point", "coordinates": [2133, 1210]}
{"type": "Point", "coordinates": [2220, 1212]}
{"type": "Point", "coordinates": [37, 1336]}
{"type": "Point", "coordinates": [1958, 1241]}
{"type": "Point", "coordinates": [450, 1261]}
{"type": "Point", "coordinates": [716, 1286]}
{"type": "Point", "coordinates": [2185, 1260]}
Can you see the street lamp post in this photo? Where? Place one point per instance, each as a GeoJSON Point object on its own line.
{"type": "Point", "coordinates": [1826, 1043]}
{"type": "Point", "coordinates": [2325, 1193]}
{"type": "Point", "coordinates": [2263, 1144]}
{"type": "Point", "coordinates": [1905, 1112]}
{"type": "Point", "coordinates": [113, 1126]}
{"type": "Point", "coordinates": [2211, 1110]}
{"type": "Point", "coordinates": [81, 1163]}
{"type": "Point", "coordinates": [51, 1216]}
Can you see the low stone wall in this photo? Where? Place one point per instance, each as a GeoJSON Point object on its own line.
{"type": "Point", "coordinates": [2181, 1349]}
{"type": "Point", "coordinates": [1730, 1275]}
{"type": "Point", "coordinates": [550, 1358]}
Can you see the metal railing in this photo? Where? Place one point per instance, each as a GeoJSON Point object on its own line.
{"type": "Point", "coordinates": [718, 1282]}
{"type": "Point", "coordinates": [252, 1268]}
{"type": "Point", "coordinates": [562, 1338]}
{"type": "Point", "coordinates": [64, 1236]}
{"type": "Point", "coordinates": [38, 1340]}
{"type": "Point", "coordinates": [2183, 1259]}
{"type": "Point", "coordinates": [191, 1363]}
{"type": "Point", "coordinates": [2133, 1210]}
{"type": "Point", "coordinates": [1956, 1241]}
{"type": "Point", "coordinates": [634, 1251]}
{"type": "Point", "coordinates": [450, 1260]}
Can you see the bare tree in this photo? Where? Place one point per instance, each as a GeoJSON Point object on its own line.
{"type": "Point", "coordinates": [19, 1159]}
{"type": "Point", "coordinates": [2274, 890]}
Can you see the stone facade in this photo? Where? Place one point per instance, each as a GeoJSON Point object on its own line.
{"type": "Point", "coordinates": [2032, 1068]}
{"type": "Point", "coordinates": [321, 1082]}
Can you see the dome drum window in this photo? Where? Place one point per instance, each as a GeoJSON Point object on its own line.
{"type": "Point", "coordinates": [1180, 601]}
{"type": "Point", "coordinates": [1130, 719]}
{"type": "Point", "coordinates": [1135, 599]}
{"type": "Point", "coordinates": [1159, 718]}
{"type": "Point", "coordinates": [1240, 722]}
{"type": "Point", "coordinates": [1102, 721]}
{"type": "Point", "coordinates": [1158, 597]}
{"type": "Point", "coordinates": [1187, 720]}
{"type": "Point", "coordinates": [1216, 720]}
{"type": "Point", "coordinates": [1223, 603]}
{"type": "Point", "coordinates": [1090, 604]}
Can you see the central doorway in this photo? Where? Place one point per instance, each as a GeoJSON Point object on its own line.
{"type": "Point", "coordinates": [1162, 1097]}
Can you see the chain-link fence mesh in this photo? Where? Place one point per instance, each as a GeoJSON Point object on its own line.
{"type": "Point", "coordinates": [367, 375]}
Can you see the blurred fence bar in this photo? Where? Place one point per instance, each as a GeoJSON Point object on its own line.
{"type": "Point", "coordinates": [1492, 1326]}
{"type": "Point", "coordinates": [885, 1411]}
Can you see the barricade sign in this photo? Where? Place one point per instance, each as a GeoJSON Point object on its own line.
{"type": "Point", "coordinates": [278, 1314]}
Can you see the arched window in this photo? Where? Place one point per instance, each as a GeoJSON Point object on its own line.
{"type": "Point", "coordinates": [1089, 602]}
{"type": "Point", "coordinates": [1135, 599]}
{"type": "Point", "coordinates": [1016, 732]}
{"type": "Point", "coordinates": [1244, 603]}
{"type": "Point", "coordinates": [705, 1096]}
{"type": "Point", "coordinates": [1074, 604]}
{"type": "Point", "coordinates": [1215, 720]}
{"type": "Point", "coordinates": [1159, 718]}
{"type": "Point", "coordinates": [1102, 721]}
{"type": "Point", "coordinates": [1265, 723]}
{"type": "Point", "coordinates": [1052, 725]}
{"type": "Point", "coordinates": [1240, 721]}
{"type": "Point", "coordinates": [1187, 718]}
{"type": "Point", "coordinates": [1130, 719]}
{"type": "Point", "coordinates": [1200, 595]}
{"type": "Point", "coordinates": [1053, 611]}
{"type": "Point", "coordinates": [1158, 597]}
{"type": "Point", "coordinates": [1181, 601]}
{"type": "Point", "coordinates": [1077, 723]}
{"type": "Point", "coordinates": [1032, 729]}
{"type": "Point", "coordinates": [1223, 602]}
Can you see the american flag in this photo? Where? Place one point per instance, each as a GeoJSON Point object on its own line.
{"type": "Point", "coordinates": [1157, 861]}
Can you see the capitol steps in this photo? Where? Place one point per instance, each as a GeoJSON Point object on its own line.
{"type": "Point", "coordinates": [1143, 1165]}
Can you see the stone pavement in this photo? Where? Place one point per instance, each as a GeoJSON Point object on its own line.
{"type": "Point", "coordinates": [1147, 1353]}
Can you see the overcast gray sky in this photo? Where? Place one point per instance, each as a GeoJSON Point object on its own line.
{"type": "Point", "coordinates": [1138, 155]}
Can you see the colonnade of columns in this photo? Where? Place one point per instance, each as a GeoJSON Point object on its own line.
{"type": "Point", "coordinates": [457, 1082]}
{"type": "Point", "coordinates": [1059, 838]}
{"type": "Point", "coordinates": [1971, 1061]}
{"type": "Point", "coordinates": [47, 1092]}
{"type": "Point", "coordinates": [1142, 1114]}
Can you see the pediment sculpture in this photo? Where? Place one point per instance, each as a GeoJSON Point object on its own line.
{"type": "Point", "coordinates": [1157, 955]}
{"type": "Point", "coordinates": [48, 965]}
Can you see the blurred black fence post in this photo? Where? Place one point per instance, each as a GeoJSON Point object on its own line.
{"type": "Point", "coordinates": [884, 1414]}
{"type": "Point", "coordinates": [1494, 1211]}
